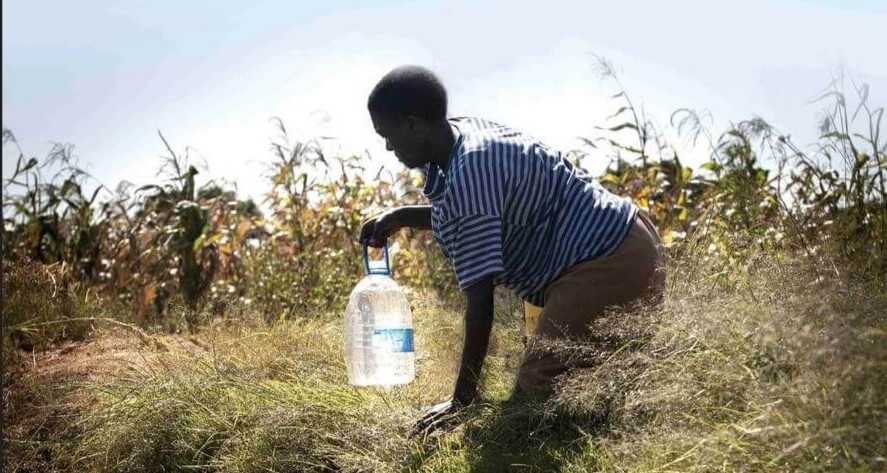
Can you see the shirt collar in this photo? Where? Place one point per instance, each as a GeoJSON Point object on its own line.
{"type": "Point", "coordinates": [435, 182]}
{"type": "Point", "coordinates": [435, 177]}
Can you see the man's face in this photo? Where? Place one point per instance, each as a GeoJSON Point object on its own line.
{"type": "Point", "coordinates": [404, 137]}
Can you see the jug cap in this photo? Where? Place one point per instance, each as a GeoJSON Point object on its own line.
{"type": "Point", "coordinates": [382, 267]}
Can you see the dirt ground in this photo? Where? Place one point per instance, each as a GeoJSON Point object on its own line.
{"type": "Point", "coordinates": [44, 390]}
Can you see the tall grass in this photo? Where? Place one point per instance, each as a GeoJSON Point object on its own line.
{"type": "Point", "coordinates": [769, 370]}
{"type": "Point", "coordinates": [187, 242]}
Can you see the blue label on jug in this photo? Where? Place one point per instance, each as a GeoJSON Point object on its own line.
{"type": "Point", "coordinates": [395, 340]}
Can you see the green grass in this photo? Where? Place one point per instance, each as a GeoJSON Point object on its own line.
{"type": "Point", "coordinates": [767, 367]}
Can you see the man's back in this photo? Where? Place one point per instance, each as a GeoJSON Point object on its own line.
{"type": "Point", "coordinates": [509, 208]}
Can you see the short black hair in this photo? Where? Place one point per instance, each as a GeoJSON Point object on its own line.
{"type": "Point", "coordinates": [409, 90]}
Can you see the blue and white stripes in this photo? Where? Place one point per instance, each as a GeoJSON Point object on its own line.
{"type": "Point", "coordinates": [509, 209]}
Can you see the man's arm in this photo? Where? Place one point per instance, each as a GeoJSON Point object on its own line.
{"type": "Point", "coordinates": [376, 230]}
{"type": "Point", "coordinates": [414, 216]}
{"type": "Point", "coordinates": [478, 324]}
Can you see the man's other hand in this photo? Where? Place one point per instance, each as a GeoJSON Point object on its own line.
{"type": "Point", "coordinates": [438, 416]}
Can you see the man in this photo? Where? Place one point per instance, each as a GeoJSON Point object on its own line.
{"type": "Point", "coordinates": [509, 211]}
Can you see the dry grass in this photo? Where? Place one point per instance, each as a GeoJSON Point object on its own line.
{"type": "Point", "coordinates": [782, 371]}
{"type": "Point", "coordinates": [762, 368]}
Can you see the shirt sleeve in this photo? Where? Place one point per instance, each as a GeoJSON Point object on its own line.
{"type": "Point", "coordinates": [476, 247]}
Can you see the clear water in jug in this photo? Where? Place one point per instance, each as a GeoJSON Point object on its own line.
{"type": "Point", "coordinates": [379, 347]}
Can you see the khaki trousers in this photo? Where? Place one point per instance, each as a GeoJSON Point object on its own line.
{"type": "Point", "coordinates": [583, 292]}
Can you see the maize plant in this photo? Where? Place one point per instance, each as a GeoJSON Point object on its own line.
{"type": "Point", "coordinates": [181, 240]}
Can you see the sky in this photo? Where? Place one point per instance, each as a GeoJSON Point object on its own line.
{"type": "Point", "coordinates": [106, 76]}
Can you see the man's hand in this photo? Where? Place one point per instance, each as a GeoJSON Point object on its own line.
{"type": "Point", "coordinates": [377, 229]}
{"type": "Point", "coordinates": [439, 416]}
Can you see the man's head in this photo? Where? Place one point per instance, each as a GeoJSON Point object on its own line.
{"type": "Point", "coordinates": [407, 108]}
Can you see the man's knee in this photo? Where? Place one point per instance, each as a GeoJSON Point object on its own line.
{"type": "Point", "coordinates": [540, 364]}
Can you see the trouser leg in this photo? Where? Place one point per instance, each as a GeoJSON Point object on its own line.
{"type": "Point", "coordinates": [584, 292]}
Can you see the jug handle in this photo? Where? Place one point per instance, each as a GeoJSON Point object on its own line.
{"type": "Point", "coordinates": [376, 270]}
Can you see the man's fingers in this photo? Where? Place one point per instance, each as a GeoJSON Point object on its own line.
{"type": "Point", "coordinates": [373, 238]}
{"type": "Point", "coordinates": [382, 229]}
{"type": "Point", "coordinates": [372, 233]}
{"type": "Point", "coordinates": [422, 424]}
{"type": "Point", "coordinates": [366, 231]}
{"type": "Point", "coordinates": [433, 421]}
{"type": "Point", "coordinates": [379, 236]}
{"type": "Point", "coordinates": [422, 430]}
{"type": "Point", "coordinates": [441, 422]}
{"type": "Point", "coordinates": [418, 429]}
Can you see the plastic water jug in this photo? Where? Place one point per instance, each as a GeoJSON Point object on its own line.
{"type": "Point", "coordinates": [378, 329]}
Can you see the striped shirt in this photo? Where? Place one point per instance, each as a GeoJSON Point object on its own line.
{"type": "Point", "coordinates": [510, 209]}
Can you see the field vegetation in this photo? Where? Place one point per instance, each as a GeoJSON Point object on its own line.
{"type": "Point", "coordinates": [177, 327]}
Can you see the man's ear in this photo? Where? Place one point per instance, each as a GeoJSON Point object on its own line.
{"type": "Point", "coordinates": [412, 122]}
